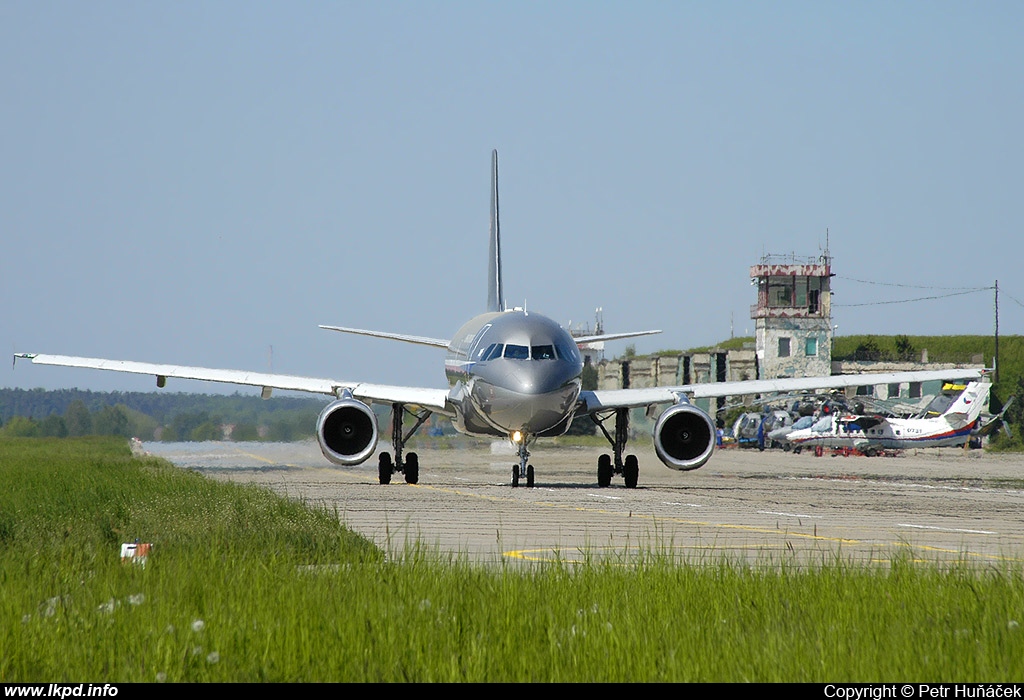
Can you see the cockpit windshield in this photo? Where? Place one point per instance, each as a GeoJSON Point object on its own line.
{"type": "Point", "coordinates": [524, 352]}
{"type": "Point", "coordinates": [491, 352]}
{"type": "Point", "coordinates": [569, 352]}
{"type": "Point", "coordinates": [517, 352]}
{"type": "Point", "coordinates": [543, 352]}
{"type": "Point", "coordinates": [803, 422]}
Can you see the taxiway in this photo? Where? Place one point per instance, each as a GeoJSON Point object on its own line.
{"type": "Point", "coordinates": [763, 507]}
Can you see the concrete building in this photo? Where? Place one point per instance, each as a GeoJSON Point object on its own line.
{"type": "Point", "coordinates": [792, 316]}
{"type": "Point", "coordinates": [675, 369]}
{"type": "Point", "coordinates": [680, 368]}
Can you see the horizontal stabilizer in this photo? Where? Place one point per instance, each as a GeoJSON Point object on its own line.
{"type": "Point", "coordinates": [584, 339]}
{"type": "Point", "coordinates": [418, 339]}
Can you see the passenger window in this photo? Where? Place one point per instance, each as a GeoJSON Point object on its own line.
{"type": "Point", "coordinates": [517, 352]}
{"type": "Point", "coordinates": [543, 352]}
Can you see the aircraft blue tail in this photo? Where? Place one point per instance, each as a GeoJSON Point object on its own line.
{"type": "Point", "coordinates": [495, 292]}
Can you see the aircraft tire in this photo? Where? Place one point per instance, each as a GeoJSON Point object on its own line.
{"type": "Point", "coordinates": [412, 468]}
{"type": "Point", "coordinates": [631, 471]}
{"type": "Point", "coordinates": [529, 476]}
{"type": "Point", "coordinates": [515, 475]}
{"type": "Point", "coordinates": [604, 471]}
{"type": "Point", "coordinates": [384, 468]}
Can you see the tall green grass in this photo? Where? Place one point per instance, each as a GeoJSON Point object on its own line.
{"type": "Point", "coordinates": [245, 586]}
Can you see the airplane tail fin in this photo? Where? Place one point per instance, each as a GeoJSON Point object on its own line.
{"type": "Point", "coordinates": [969, 405]}
{"type": "Point", "coordinates": [495, 292]}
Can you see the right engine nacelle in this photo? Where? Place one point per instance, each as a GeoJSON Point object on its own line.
{"type": "Point", "coordinates": [347, 432]}
{"type": "Point", "coordinates": [684, 437]}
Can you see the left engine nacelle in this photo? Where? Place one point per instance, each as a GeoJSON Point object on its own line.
{"type": "Point", "coordinates": [347, 432]}
{"type": "Point", "coordinates": [684, 437]}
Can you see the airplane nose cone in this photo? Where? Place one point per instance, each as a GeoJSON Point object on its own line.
{"type": "Point", "coordinates": [536, 378]}
{"type": "Point", "coordinates": [522, 407]}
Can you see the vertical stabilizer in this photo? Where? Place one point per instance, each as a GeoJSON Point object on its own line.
{"type": "Point", "coordinates": [968, 407]}
{"type": "Point", "coordinates": [495, 292]}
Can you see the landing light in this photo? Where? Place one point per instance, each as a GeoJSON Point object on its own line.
{"type": "Point", "coordinates": [517, 437]}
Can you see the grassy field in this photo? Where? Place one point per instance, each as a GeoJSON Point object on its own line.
{"type": "Point", "coordinates": [243, 585]}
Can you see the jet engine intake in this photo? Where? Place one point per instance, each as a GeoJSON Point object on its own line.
{"type": "Point", "coordinates": [347, 431]}
{"type": "Point", "coordinates": [684, 437]}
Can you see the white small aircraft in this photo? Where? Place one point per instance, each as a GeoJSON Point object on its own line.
{"type": "Point", "coordinates": [512, 374]}
{"type": "Point", "coordinates": [871, 434]}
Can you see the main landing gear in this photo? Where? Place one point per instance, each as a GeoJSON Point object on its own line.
{"type": "Point", "coordinates": [630, 468]}
{"type": "Point", "coordinates": [411, 464]}
{"type": "Point", "coordinates": [522, 470]}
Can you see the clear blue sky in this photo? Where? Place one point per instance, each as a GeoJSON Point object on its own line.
{"type": "Point", "coordinates": [196, 182]}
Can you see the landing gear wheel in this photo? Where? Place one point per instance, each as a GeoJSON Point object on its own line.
{"type": "Point", "coordinates": [529, 476]}
{"type": "Point", "coordinates": [631, 471]}
{"type": "Point", "coordinates": [515, 475]}
{"type": "Point", "coordinates": [384, 468]}
{"type": "Point", "coordinates": [604, 471]}
{"type": "Point", "coordinates": [412, 468]}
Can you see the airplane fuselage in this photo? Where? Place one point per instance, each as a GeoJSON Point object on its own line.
{"type": "Point", "coordinates": [513, 371]}
{"type": "Point", "coordinates": [893, 433]}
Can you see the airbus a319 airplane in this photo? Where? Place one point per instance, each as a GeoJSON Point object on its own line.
{"type": "Point", "coordinates": [512, 374]}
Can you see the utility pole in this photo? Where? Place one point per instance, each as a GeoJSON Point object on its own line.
{"type": "Point", "coordinates": [996, 358]}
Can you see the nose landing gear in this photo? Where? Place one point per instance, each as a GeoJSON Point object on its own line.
{"type": "Point", "coordinates": [522, 470]}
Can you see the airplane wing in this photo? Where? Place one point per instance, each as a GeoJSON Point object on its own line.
{"type": "Point", "coordinates": [602, 399]}
{"type": "Point", "coordinates": [434, 399]}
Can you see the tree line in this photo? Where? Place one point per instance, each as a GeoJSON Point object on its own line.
{"type": "Point", "coordinates": [155, 416]}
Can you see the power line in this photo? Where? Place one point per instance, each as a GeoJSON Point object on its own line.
{"type": "Point", "coordinates": [907, 301]}
{"type": "Point", "coordinates": [912, 286]}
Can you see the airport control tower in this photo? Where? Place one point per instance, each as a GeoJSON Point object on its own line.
{"type": "Point", "coordinates": [792, 317]}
